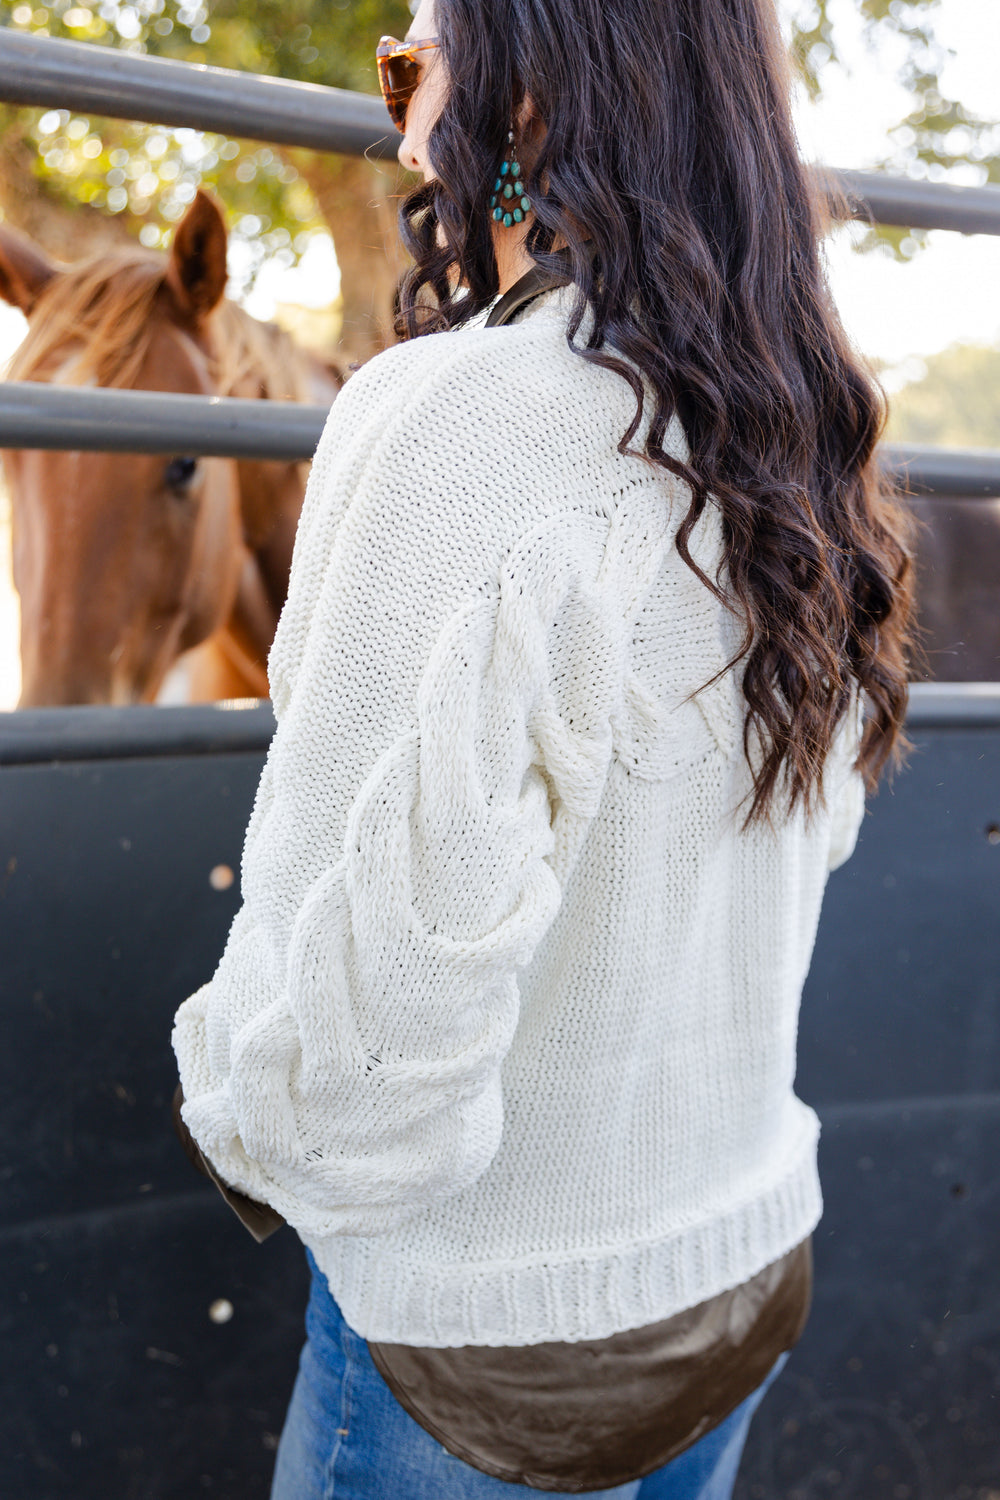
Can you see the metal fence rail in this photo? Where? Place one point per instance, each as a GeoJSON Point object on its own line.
{"type": "Point", "coordinates": [965, 474]}
{"type": "Point", "coordinates": [51, 736]}
{"type": "Point", "coordinates": [921, 205]}
{"type": "Point", "coordinates": [82, 419]}
{"type": "Point", "coordinates": [92, 79]}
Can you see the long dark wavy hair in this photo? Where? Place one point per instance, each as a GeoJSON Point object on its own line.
{"type": "Point", "coordinates": [669, 141]}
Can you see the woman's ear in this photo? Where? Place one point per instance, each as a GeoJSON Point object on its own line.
{"type": "Point", "coordinates": [528, 123]}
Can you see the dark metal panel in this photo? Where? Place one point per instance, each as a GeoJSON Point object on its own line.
{"type": "Point", "coordinates": [100, 80]}
{"type": "Point", "coordinates": [112, 1250]}
{"type": "Point", "coordinates": [125, 1387]}
{"type": "Point", "coordinates": [894, 1388]}
{"type": "Point", "coordinates": [113, 908]}
{"type": "Point", "coordinates": [903, 997]}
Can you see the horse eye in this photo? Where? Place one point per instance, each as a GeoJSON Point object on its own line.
{"type": "Point", "coordinates": [179, 473]}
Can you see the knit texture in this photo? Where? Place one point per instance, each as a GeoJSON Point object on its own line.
{"type": "Point", "coordinates": [505, 1026]}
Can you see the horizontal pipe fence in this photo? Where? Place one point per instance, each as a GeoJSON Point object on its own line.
{"type": "Point", "coordinates": [52, 736]}
{"type": "Point", "coordinates": [85, 419]}
{"type": "Point", "coordinates": [91, 79]}
{"type": "Point", "coordinates": [82, 419]}
{"type": "Point", "coordinates": [80, 76]}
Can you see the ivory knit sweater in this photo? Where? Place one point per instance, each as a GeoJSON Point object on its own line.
{"type": "Point", "coordinates": [505, 1026]}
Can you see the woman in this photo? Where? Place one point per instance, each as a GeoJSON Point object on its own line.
{"type": "Point", "coordinates": [584, 612]}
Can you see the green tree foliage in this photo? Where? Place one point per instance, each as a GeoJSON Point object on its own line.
{"type": "Point", "coordinates": [954, 402]}
{"type": "Point", "coordinates": [148, 174]}
{"type": "Point", "coordinates": [938, 134]}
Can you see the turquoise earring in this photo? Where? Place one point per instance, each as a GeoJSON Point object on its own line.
{"type": "Point", "coordinates": [509, 201]}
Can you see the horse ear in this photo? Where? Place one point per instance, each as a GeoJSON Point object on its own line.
{"type": "Point", "coordinates": [25, 270]}
{"type": "Point", "coordinates": [196, 276]}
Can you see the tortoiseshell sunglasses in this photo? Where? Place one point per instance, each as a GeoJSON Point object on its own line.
{"type": "Point", "coordinates": [399, 73]}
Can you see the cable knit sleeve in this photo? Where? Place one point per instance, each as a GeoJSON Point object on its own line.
{"type": "Point", "coordinates": [445, 677]}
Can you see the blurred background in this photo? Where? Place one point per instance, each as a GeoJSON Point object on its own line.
{"type": "Point", "coordinates": [905, 86]}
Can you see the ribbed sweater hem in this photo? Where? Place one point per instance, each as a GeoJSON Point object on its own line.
{"type": "Point", "coordinates": [388, 1296]}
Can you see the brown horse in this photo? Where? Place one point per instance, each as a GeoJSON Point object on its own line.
{"type": "Point", "coordinates": [123, 562]}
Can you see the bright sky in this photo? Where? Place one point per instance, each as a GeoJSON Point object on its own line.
{"type": "Point", "coordinates": [949, 293]}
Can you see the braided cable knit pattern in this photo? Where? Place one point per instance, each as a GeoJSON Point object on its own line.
{"type": "Point", "coordinates": [505, 1025]}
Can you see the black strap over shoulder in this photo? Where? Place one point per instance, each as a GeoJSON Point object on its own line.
{"type": "Point", "coordinates": [535, 281]}
{"type": "Point", "coordinates": [529, 286]}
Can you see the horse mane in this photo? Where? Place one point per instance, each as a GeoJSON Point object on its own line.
{"type": "Point", "coordinates": [94, 322]}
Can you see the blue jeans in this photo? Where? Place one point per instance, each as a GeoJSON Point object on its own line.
{"type": "Point", "coordinates": [346, 1437]}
